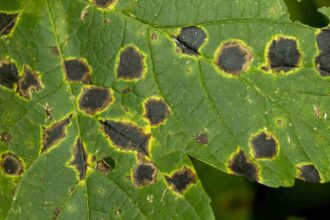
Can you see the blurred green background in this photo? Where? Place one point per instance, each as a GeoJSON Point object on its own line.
{"type": "Point", "coordinates": [236, 198]}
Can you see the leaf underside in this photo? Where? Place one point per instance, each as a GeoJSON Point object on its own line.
{"type": "Point", "coordinates": [103, 102]}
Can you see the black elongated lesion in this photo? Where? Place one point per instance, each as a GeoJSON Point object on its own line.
{"type": "Point", "coordinates": [55, 133]}
{"type": "Point", "coordinates": [80, 159]}
{"type": "Point", "coordinates": [126, 135]}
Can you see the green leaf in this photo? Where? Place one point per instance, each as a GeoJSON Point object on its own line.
{"type": "Point", "coordinates": [103, 102]}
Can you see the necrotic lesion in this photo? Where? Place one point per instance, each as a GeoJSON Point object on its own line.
{"type": "Point", "coordinates": [7, 22]}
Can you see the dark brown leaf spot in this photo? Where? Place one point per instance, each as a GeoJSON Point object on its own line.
{"type": "Point", "coordinates": [127, 136]}
{"type": "Point", "coordinates": [56, 212]}
{"type": "Point", "coordinates": [323, 59]}
{"type": "Point", "coordinates": [154, 36]}
{"type": "Point", "coordinates": [191, 39]}
{"type": "Point", "coordinates": [283, 54]}
{"type": "Point", "coordinates": [5, 137]}
{"type": "Point", "coordinates": [11, 164]}
{"type": "Point", "coordinates": [94, 99]}
{"type": "Point", "coordinates": [118, 212]}
{"type": "Point", "coordinates": [77, 70]}
{"type": "Point", "coordinates": [55, 51]}
{"type": "Point", "coordinates": [156, 111]}
{"type": "Point", "coordinates": [202, 138]}
{"type": "Point", "coordinates": [8, 74]}
{"type": "Point", "coordinates": [79, 159]}
{"type": "Point", "coordinates": [105, 165]}
{"type": "Point", "coordinates": [130, 64]}
{"type": "Point", "coordinates": [181, 179]}
{"type": "Point", "coordinates": [29, 83]}
{"type": "Point", "coordinates": [264, 146]}
{"type": "Point", "coordinates": [104, 3]}
{"type": "Point", "coordinates": [126, 91]}
{"type": "Point", "coordinates": [7, 22]}
{"type": "Point", "coordinates": [234, 58]}
{"type": "Point", "coordinates": [53, 134]}
{"type": "Point", "coordinates": [309, 173]}
{"type": "Point", "coordinates": [241, 165]}
{"type": "Point", "coordinates": [144, 174]}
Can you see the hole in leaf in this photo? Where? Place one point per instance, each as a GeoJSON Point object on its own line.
{"type": "Point", "coordinates": [305, 11]}
{"type": "Point", "coordinates": [105, 165]}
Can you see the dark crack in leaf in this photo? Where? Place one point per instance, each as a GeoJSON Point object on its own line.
{"type": "Point", "coordinates": [126, 136]}
{"type": "Point", "coordinates": [191, 39]}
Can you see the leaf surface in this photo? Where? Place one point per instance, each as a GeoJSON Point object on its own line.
{"type": "Point", "coordinates": [102, 103]}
